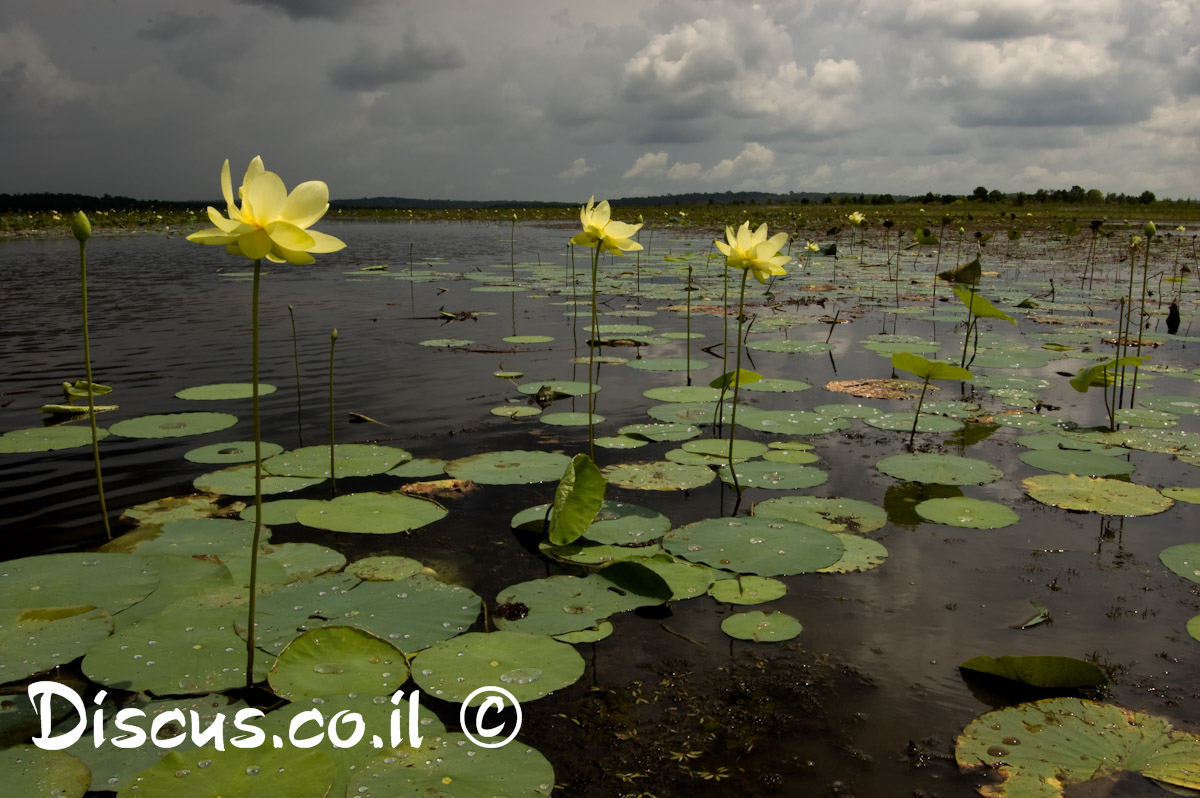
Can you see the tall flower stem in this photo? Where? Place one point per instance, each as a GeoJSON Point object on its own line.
{"type": "Point", "coordinates": [736, 384]}
{"type": "Point", "coordinates": [592, 355]}
{"type": "Point", "coordinates": [333, 336]}
{"type": "Point", "coordinates": [296, 361]}
{"type": "Point", "coordinates": [87, 367]}
{"type": "Point", "coordinates": [251, 630]}
{"type": "Point", "coordinates": [688, 348]}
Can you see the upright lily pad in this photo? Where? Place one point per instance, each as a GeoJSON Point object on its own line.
{"type": "Point", "coordinates": [530, 666]}
{"type": "Point", "coordinates": [1096, 495]}
{"type": "Point", "coordinates": [337, 660]}
{"type": "Point", "coordinates": [509, 468]}
{"type": "Point", "coordinates": [939, 469]}
{"type": "Point", "coordinates": [225, 390]}
{"type": "Point", "coordinates": [371, 513]}
{"type": "Point", "coordinates": [761, 627]}
{"type": "Point", "coordinates": [173, 425]}
{"type": "Point", "coordinates": [1043, 747]}
{"type": "Point", "coordinates": [762, 546]}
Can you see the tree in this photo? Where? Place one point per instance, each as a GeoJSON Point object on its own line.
{"type": "Point", "coordinates": [980, 193]}
{"type": "Point", "coordinates": [1146, 197]}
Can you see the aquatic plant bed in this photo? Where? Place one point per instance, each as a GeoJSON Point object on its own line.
{"type": "Point", "coordinates": [871, 618]}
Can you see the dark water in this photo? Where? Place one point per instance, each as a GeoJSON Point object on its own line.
{"type": "Point", "coordinates": [867, 701]}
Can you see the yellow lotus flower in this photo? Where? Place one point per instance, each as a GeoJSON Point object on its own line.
{"type": "Point", "coordinates": [754, 251]}
{"type": "Point", "coordinates": [270, 223]}
{"type": "Point", "coordinates": [856, 218]}
{"type": "Point", "coordinates": [599, 230]}
{"type": "Point", "coordinates": [812, 246]}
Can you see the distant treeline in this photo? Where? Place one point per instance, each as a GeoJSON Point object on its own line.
{"type": "Point", "coordinates": [42, 203]}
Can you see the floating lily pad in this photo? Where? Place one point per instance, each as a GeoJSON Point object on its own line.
{"type": "Point", "coordinates": [939, 469]}
{"type": "Point", "coordinates": [280, 511]}
{"type": "Point", "coordinates": [790, 422]}
{"type": "Point", "coordinates": [683, 393]}
{"type": "Point", "coordinates": [202, 537]}
{"type": "Point", "coordinates": [559, 604]}
{"type": "Point", "coordinates": [617, 523]}
{"type": "Point", "coordinates": [689, 412]}
{"type": "Point", "coordinates": [621, 442]}
{"type": "Point", "coordinates": [530, 666]}
{"type": "Point", "coordinates": [351, 460]}
{"type": "Point", "coordinates": [452, 767]}
{"type": "Point", "coordinates": [108, 581]}
{"type": "Point", "coordinates": [1193, 627]}
{"type": "Point", "coordinates": [225, 390]}
{"type": "Point", "coordinates": [965, 512]}
{"type": "Point", "coordinates": [447, 343]}
{"type": "Point", "coordinates": [903, 422]}
{"type": "Point", "coordinates": [602, 631]}
{"type": "Point", "coordinates": [1088, 464]}
{"type": "Point", "coordinates": [419, 468]}
{"type": "Point", "coordinates": [509, 468]}
{"type": "Point", "coordinates": [371, 513]}
{"type": "Point", "coordinates": [529, 339]}
{"type": "Point", "coordinates": [1096, 495]}
{"type": "Point", "coordinates": [239, 481]}
{"type": "Point", "coordinates": [1049, 673]}
{"type": "Point", "coordinates": [762, 546]}
{"type": "Point", "coordinates": [28, 770]}
{"type": "Point", "coordinates": [667, 364]}
{"type": "Point", "coordinates": [173, 425]}
{"type": "Point", "coordinates": [35, 640]}
{"type": "Point", "coordinates": [791, 347]}
{"type": "Point", "coordinates": [1189, 495]}
{"type": "Point", "coordinates": [861, 554]}
{"type": "Point", "coordinates": [47, 439]}
{"type": "Point", "coordinates": [773, 475]}
{"type": "Point", "coordinates": [1041, 748]}
{"type": "Point", "coordinates": [1056, 441]}
{"type": "Point", "coordinates": [1183, 560]}
{"type": "Point", "coordinates": [561, 387]}
{"type": "Point", "coordinates": [175, 508]}
{"type": "Point", "coordinates": [337, 660]}
{"type": "Point", "coordinates": [232, 452]}
{"type": "Point", "coordinates": [746, 589]}
{"type": "Point", "coordinates": [285, 772]}
{"type": "Point", "coordinates": [832, 515]}
{"type": "Point", "coordinates": [660, 475]}
{"type": "Point", "coordinates": [586, 552]}
{"type": "Point", "coordinates": [516, 411]}
{"type": "Point", "coordinates": [661, 432]}
{"type": "Point", "coordinates": [571, 419]}
{"type": "Point", "coordinates": [774, 385]}
{"type": "Point", "coordinates": [1180, 405]}
{"type": "Point", "coordinates": [1145, 417]}
{"type": "Point", "coordinates": [384, 568]}
{"type": "Point", "coordinates": [761, 627]}
{"type": "Point", "coordinates": [685, 579]}
{"type": "Point", "coordinates": [848, 411]}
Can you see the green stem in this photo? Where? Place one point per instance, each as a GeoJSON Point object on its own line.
{"type": "Point", "coordinates": [252, 632]}
{"type": "Point", "coordinates": [296, 361]}
{"type": "Point", "coordinates": [87, 367]}
{"type": "Point", "coordinates": [333, 336]}
{"type": "Point", "coordinates": [736, 384]}
{"type": "Point", "coordinates": [592, 356]}
{"type": "Point", "coordinates": [688, 350]}
{"type": "Point", "coordinates": [1141, 318]}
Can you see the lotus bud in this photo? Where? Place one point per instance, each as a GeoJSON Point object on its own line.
{"type": "Point", "coordinates": [1150, 230]}
{"type": "Point", "coordinates": [81, 227]}
{"type": "Point", "coordinates": [514, 217]}
{"type": "Point", "coordinates": [333, 335]}
{"type": "Point", "coordinates": [640, 219]}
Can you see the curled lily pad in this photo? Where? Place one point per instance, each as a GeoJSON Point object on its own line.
{"type": "Point", "coordinates": [173, 425]}
{"type": "Point", "coordinates": [661, 475]}
{"type": "Point", "coordinates": [939, 469]}
{"type": "Point", "coordinates": [1043, 747]}
{"type": "Point", "coordinates": [530, 666]}
{"type": "Point", "coordinates": [1096, 495]}
{"type": "Point", "coordinates": [47, 439]}
{"type": "Point", "coordinates": [232, 452]}
{"type": "Point", "coordinates": [350, 460]}
{"type": "Point", "coordinates": [965, 512]}
{"type": "Point", "coordinates": [746, 589]}
{"type": "Point", "coordinates": [337, 660]}
{"type": "Point", "coordinates": [832, 515]}
{"type": "Point", "coordinates": [762, 546]}
{"type": "Point", "coordinates": [509, 467]}
{"type": "Point", "coordinates": [761, 627]}
{"type": "Point", "coordinates": [225, 390]}
{"type": "Point", "coordinates": [371, 513]}
{"type": "Point", "coordinates": [1051, 673]}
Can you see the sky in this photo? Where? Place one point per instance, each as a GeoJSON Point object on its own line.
{"type": "Point", "coordinates": [559, 101]}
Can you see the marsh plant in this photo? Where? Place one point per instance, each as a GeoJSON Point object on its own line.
{"type": "Point", "coordinates": [600, 234]}
{"type": "Point", "coordinates": [273, 224]}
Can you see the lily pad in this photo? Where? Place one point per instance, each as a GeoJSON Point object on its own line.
{"type": "Point", "coordinates": [571, 419]}
{"type": "Point", "coordinates": [667, 364]}
{"type": "Point", "coordinates": [559, 604]}
{"type": "Point", "coordinates": [1189, 495]}
{"type": "Point", "coordinates": [350, 460]}
{"type": "Point", "coordinates": [47, 439]}
{"type": "Point", "coordinates": [832, 515]}
{"type": "Point", "coordinates": [232, 452]}
{"type": "Point", "coordinates": [746, 589]}
{"type": "Point", "coordinates": [281, 511]}
{"type": "Point", "coordinates": [509, 467]}
{"type": "Point", "coordinates": [447, 343]}
{"type": "Point", "coordinates": [108, 581]}
{"type": "Point", "coordinates": [775, 385]}
{"type": "Point", "coordinates": [621, 442]}
{"type": "Point", "coordinates": [1088, 464]}
{"type": "Point", "coordinates": [173, 425]}
{"type": "Point", "coordinates": [419, 468]}
{"type": "Point", "coordinates": [559, 387]}
{"type": "Point", "coordinates": [530, 666]}
{"type": "Point", "coordinates": [28, 770]}
{"type": "Point", "coordinates": [790, 422]}
{"type": "Point", "coordinates": [1184, 560]}
{"type": "Point", "coordinates": [903, 422]}
{"type": "Point", "coordinates": [371, 513]}
{"type": "Point", "coordinates": [761, 627]}
{"type": "Point", "coordinates": [1043, 747]}
{"type": "Point", "coordinates": [516, 411]}
{"type": "Point", "coordinates": [773, 475]}
{"type": "Point", "coordinates": [683, 393]}
{"type": "Point", "coordinates": [225, 390]}
{"type": "Point", "coordinates": [661, 432]}
{"type": "Point", "coordinates": [1179, 405]}
{"type": "Point", "coordinates": [939, 469]}
{"type": "Point", "coordinates": [616, 523]}
{"type": "Point", "coordinates": [239, 481]}
{"type": "Point", "coordinates": [268, 772]}
{"type": "Point", "coordinates": [790, 346]}
{"type": "Point", "coordinates": [1096, 495]}
{"type": "Point", "coordinates": [337, 660]}
{"type": "Point", "coordinates": [34, 640]}
{"type": "Point", "coordinates": [968, 513]}
{"type": "Point", "coordinates": [661, 475]}
{"type": "Point", "coordinates": [861, 554]}
{"type": "Point", "coordinates": [384, 568]}
{"type": "Point", "coordinates": [762, 546]}
{"type": "Point", "coordinates": [1049, 673]}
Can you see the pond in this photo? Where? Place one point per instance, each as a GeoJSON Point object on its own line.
{"type": "Point", "coordinates": [869, 698]}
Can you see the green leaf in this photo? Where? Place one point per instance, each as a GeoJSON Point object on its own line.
{"type": "Point", "coordinates": [925, 236]}
{"type": "Point", "coordinates": [981, 307]}
{"type": "Point", "coordinates": [1101, 373]}
{"type": "Point", "coordinates": [1046, 672]}
{"type": "Point", "coordinates": [577, 500]}
{"type": "Point", "coordinates": [1069, 227]}
{"type": "Point", "coordinates": [966, 273]}
{"type": "Point", "coordinates": [929, 369]}
{"type": "Point", "coordinates": [735, 377]}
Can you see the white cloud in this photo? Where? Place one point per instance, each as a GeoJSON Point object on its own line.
{"type": "Point", "coordinates": [652, 164]}
{"type": "Point", "coordinates": [26, 69]}
{"type": "Point", "coordinates": [578, 168]}
{"type": "Point", "coordinates": [684, 171]}
{"type": "Point", "coordinates": [752, 162]}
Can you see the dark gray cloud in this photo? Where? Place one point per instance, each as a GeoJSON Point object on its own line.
{"type": "Point", "coordinates": [315, 9]}
{"type": "Point", "coordinates": [421, 55]}
{"type": "Point", "coordinates": [172, 26]}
